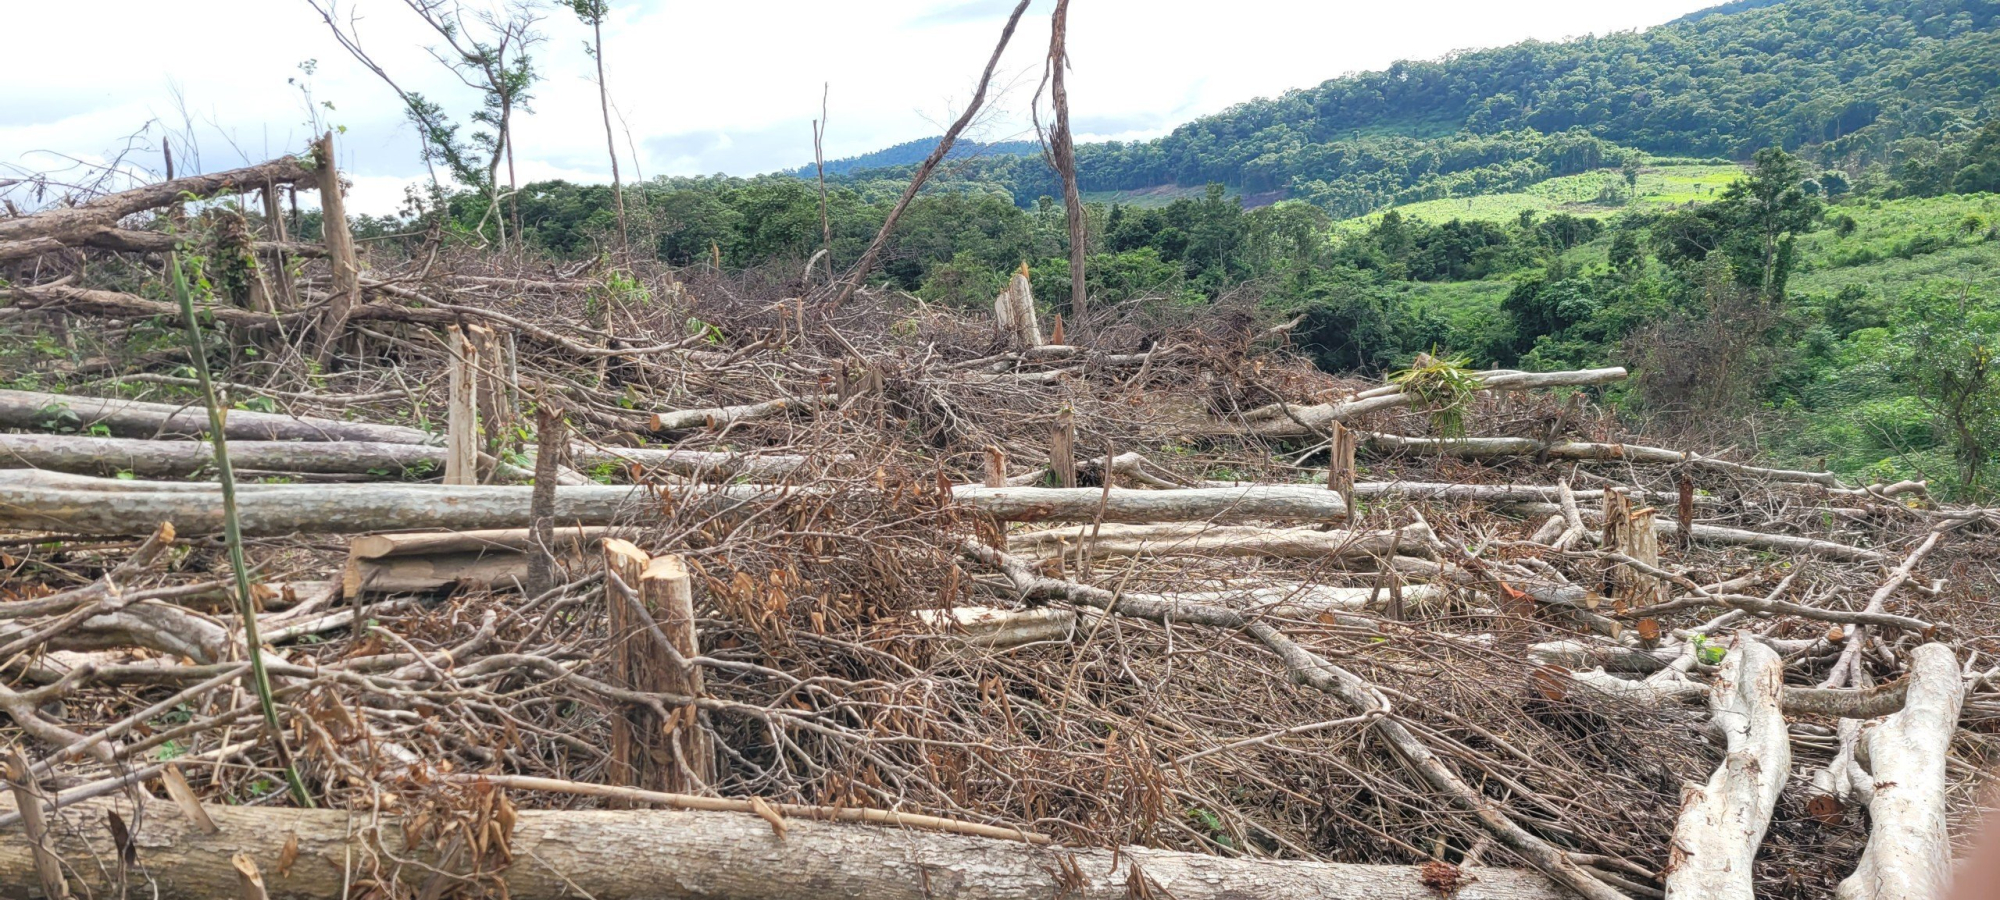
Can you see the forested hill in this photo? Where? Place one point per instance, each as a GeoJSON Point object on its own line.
{"type": "Point", "coordinates": [909, 153]}
{"type": "Point", "coordinates": [1841, 80]}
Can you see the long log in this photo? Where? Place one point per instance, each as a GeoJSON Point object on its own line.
{"type": "Point", "coordinates": [1495, 447]}
{"type": "Point", "coordinates": [1734, 537]}
{"type": "Point", "coordinates": [36, 500]}
{"type": "Point", "coordinates": [1197, 539]}
{"type": "Point", "coordinates": [1293, 421]}
{"type": "Point", "coordinates": [1028, 504]}
{"type": "Point", "coordinates": [47, 501]}
{"type": "Point", "coordinates": [697, 855]}
{"type": "Point", "coordinates": [1722, 823]}
{"type": "Point", "coordinates": [135, 418]}
{"type": "Point", "coordinates": [108, 457]}
{"type": "Point", "coordinates": [713, 464]}
{"type": "Point", "coordinates": [1905, 757]}
{"type": "Point", "coordinates": [102, 456]}
{"type": "Point", "coordinates": [688, 419]}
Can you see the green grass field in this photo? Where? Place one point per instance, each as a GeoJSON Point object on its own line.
{"type": "Point", "coordinates": [1659, 187]}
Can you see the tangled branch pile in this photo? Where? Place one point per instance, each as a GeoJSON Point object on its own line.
{"type": "Point", "coordinates": [885, 600]}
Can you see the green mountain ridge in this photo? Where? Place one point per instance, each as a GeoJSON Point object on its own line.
{"type": "Point", "coordinates": [1846, 82]}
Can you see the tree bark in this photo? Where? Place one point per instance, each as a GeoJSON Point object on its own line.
{"type": "Point", "coordinates": [1014, 312]}
{"type": "Point", "coordinates": [693, 855]}
{"type": "Point", "coordinates": [346, 266]}
{"type": "Point", "coordinates": [1722, 824]}
{"type": "Point", "coordinates": [461, 461]}
{"type": "Point", "coordinates": [1906, 759]}
{"type": "Point", "coordinates": [653, 619]}
{"type": "Point", "coordinates": [1062, 147]}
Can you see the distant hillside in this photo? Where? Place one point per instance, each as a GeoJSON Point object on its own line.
{"type": "Point", "coordinates": [1842, 80]}
{"type": "Point", "coordinates": [909, 153]}
{"type": "Point", "coordinates": [1725, 9]}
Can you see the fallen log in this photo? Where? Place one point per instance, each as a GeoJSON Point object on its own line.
{"type": "Point", "coordinates": [709, 464]}
{"type": "Point", "coordinates": [1029, 504]}
{"type": "Point", "coordinates": [73, 224]}
{"type": "Point", "coordinates": [1295, 421]}
{"type": "Point", "coordinates": [690, 419]}
{"type": "Point", "coordinates": [1495, 447]}
{"type": "Point", "coordinates": [430, 543]}
{"type": "Point", "coordinates": [1905, 758]}
{"type": "Point", "coordinates": [1722, 823]}
{"type": "Point", "coordinates": [699, 855]}
{"type": "Point", "coordinates": [110, 457]}
{"type": "Point", "coordinates": [980, 626]}
{"type": "Point", "coordinates": [32, 500]}
{"type": "Point", "coordinates": [1732, 537]}
{"type": "Point", "coordinates": [47, 501]}
{"type": "Point", "coordinates": [33, 410]}
{"type": "Point", "coordinates": [1197, 539]}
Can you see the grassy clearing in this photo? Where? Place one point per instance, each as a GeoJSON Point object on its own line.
{"type": "Point", "coordinates": [1581, 195]}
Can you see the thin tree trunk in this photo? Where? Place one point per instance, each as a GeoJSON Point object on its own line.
{"type": "Point", "coordinates": [929, 165]}
{"type": "Point", "coordinates": [1063, 148]}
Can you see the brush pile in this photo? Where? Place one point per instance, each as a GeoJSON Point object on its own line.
{"type": "Point", "coordinates": [614, 581]}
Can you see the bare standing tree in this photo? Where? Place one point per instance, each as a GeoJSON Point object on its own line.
{"type": "Point", "coordinates": [930, 164]}
{"type": "Point", "coordinates": [491, 55]}
{"type": "Point", "coordinates": [819, 162]}
{"type": "Point", "coordinates": [1061, 150]}
{"type": "Point", "coordinates": [494, 61]}
{"type": "Point", "coordinates": [593, 13]}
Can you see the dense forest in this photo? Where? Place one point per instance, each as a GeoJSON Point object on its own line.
{"type": "Point", "coordinates": [1547, 205]}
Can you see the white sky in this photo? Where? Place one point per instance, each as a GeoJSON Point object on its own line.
{"type": "Point", "coordinates": [703, 87]}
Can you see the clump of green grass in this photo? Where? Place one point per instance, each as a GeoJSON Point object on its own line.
{"type": "Point", "coordinates": [1442, 387]}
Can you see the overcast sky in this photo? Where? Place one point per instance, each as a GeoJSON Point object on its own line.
{"type": "Point", "coordinates": [701, 87]}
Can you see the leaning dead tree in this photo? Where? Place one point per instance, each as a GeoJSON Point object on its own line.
{"type": "Point", "coordinates": [953, 606]}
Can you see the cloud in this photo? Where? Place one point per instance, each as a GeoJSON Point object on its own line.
{"type": "Point", "coordinates": [961, 13]}
{"type": "Point", "coordinates": [736, 151]}
{"type": "Point", "coordinates": [707, 87]}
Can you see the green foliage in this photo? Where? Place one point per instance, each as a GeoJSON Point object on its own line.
{"type": "Point", "coordinates": [1443, 388]}
{"type": "Point", "coordinates": [1946, 354]}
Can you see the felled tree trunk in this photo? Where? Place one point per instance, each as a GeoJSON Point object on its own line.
{"type": "Point", "coordinates": [47, 501]}
{"type": "Point", "coordinates": [690, 855]}
{"type": "Point", "coordinates": [33, 410]}
{"type": "Point", "coordinates": [1723, 823]}
{"type": "Point", "coordinates": [1027, 504]}
{"type": "Point", "coordinates": [1905, 757]}
{"type": "Point", "coordinates": [1295, 421]}
{"type": "Point", "coordinates": [1346, 547]}
{"type": "Point", "coordinates": [1498, 447]}
{"type": "Point", "coordinates": [75, 224]}
{"type": "Point", "coordinates": [109, 457]}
